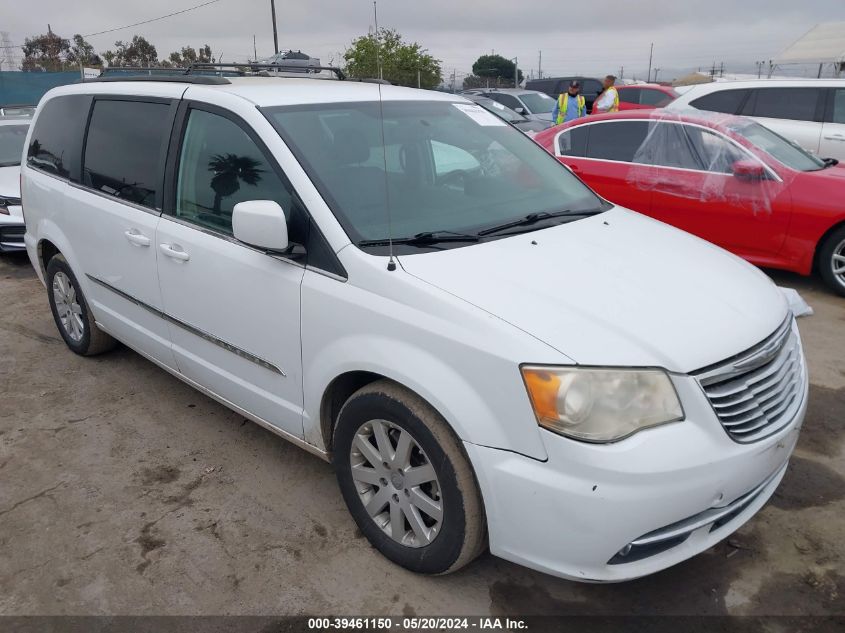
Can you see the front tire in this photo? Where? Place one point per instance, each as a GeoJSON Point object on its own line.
{"type": "Point", "coordinates": [406, 480]}
{"type": "Point", "coordinates": [832, 261]}
{"type": "Point", "coordinates": [71, 312]}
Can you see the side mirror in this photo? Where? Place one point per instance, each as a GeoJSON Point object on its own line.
{"type": "Point", "coordinates": [520, 110]}
{"type": "Point", "coordinates": [260, 223]}
{"type": "Point", "coordinates": [749, 170]}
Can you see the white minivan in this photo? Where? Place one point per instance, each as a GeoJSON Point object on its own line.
{"type": "Point", "coordinates": [486, 350]}
{"type": "Point", "coordinates": [808, 112]}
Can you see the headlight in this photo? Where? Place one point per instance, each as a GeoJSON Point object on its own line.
{"type": "Point", "coordinates": [601, 405]}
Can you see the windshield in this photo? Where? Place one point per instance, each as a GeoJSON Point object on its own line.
{"type": "Point", "coordinates": [450, 167]}
{"type": "Point", "coordinates": [500, 110]}
{"type": "Point", "coordinates": [537, 102]}
{"type": "Point", "coordinates": [11, 144]}
{"type": "Point", "coordinates": [778, 147]}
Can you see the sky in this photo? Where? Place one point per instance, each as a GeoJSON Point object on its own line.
{"type": "Point", "coordinates": [593, 38]}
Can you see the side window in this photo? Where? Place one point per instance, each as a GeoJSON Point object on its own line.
{"type": "Point", "coordinates": [725, 101]}
{"type": "Point", "coordinates": [630, 95]}
{"type": "Point", "coordinates": [656, 98]}
{"type": "Point", "coordinates": [573, 142]}
{"type": "Point", "coordinates": [618, 141]}
{"type": "Point", "coordinates": [668, 145]}
{"type": "Point", "coordinates": [56, 142]}
{"type": "Point", "coordinates": [125, 150]}
{"type": "Point", "coordinates": [798, 104]}
{"type": "Point", "coordinates": [220, 166]}
{"type": "Point", "coordinates": [717, 154]}
{"type": "Point", "coordinates": [839, 106]}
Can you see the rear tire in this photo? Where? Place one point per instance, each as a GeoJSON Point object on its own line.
{"type": "Point", "coordinates": [425, 512]}
{"type": "Point", "coordinates": [831, 260]}
{"type": "Point", "coordinates": [71, 313]}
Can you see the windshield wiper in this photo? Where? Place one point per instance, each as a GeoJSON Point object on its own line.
{"type": "Point", "coordinates": [426, 238]}
{"type": "Point", "coordinates": [533, 218]}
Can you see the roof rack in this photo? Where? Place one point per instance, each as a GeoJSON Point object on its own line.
{"type": "Point", "coordinates": [250, 67]}
{"type": "Point", "coordinates": [208, 73]}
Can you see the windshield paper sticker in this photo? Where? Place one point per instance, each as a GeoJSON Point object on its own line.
{"type": "Point", "coordinates": [479, 114]}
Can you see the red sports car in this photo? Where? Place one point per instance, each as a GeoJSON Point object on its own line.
{"type": "Point", "coordinates": [645, 96]}
{"type": "Point", "coordinates": [726, 179]}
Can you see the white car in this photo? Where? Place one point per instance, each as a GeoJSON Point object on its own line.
{"type": "Point", "coordinates": [808, 112]}
{"type": "Point", "coordinates": [487, 354]}
{"type": "Point", "coordinates": [12, 136]}
{"type": "Point", "coordinates": [532, 104]}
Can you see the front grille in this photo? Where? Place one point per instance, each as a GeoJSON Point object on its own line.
{"type": "Point", "coordinates": [758, 392]}
{"type": "Point", "coordinates": [12, 231]}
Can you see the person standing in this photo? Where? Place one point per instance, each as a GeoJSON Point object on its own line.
{"type": "Point", "coordinates": [608, 100]}
{"type": "Point", "coordinates": [570, 105]}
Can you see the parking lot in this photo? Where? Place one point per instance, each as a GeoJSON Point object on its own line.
{"type": "Point", "coordinates": [123, 491]}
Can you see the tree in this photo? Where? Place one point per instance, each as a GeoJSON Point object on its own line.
{"type": "Point", "coordinates": [138, 52]}
{"type": "Point", "coordinates": [188, 56]}
{"type": "Point", "coordinates": [495, 67]}
{"type": "Point", "coordinates": [81, 52]}
{"type": "Point", "coordinates": [46, 52]}
{"type": "Point", "coordinates": [402, 63]}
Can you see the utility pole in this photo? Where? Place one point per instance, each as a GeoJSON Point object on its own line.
{"type": "Point", "coordinates": [516, 72]}
{"type": "Point", "coordinates": [275, 33]}
{"type": "Point", "coordinates": [722, 69]}
{"type": "Point", "coordinates": [419, 84]}
{"type": "Point", "coordinates": [621, 72]}
{"type": "Point", "coordinates": [540, 67]}
{"type": "Point", "coordinates": [254, 49]}
{"type": "Point", "coordinates": [650, 54]}
{"type": "Point", "coordinates": [656, 71]}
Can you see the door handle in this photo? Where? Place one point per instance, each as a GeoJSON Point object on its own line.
{"type": "Point", "coordinates": [174, 251]}
{"type": "Point", "coordinates": [136, 237]}
{"type": "Point", "coordinates": [835, 137]}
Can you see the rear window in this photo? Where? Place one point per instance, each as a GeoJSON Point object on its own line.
{"type": "Point", "coordinates": [573, 142]}
{"type": "Point", "coordinates": [12, 138]}
{"type": "Point", "coordinates": [56, 142]}
{"type": "Point", "coordinates": [125, 150]}
{"type": "Point", "coordinates": [725, 101]}
{"type": "Point", "coordinates": [630, 95]}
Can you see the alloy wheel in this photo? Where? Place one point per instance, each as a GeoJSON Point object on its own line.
{"type": "Point", "coordinates": [67, 307]}
{"type": "Point", "coordinates": [396, 483]}
{"type": "Point", "coordinates": [838, 262]}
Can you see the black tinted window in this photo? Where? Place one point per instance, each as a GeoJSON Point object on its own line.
{"type": "Point", "coordinates": [220, 166]}
{"type": "Point", "coordinates": [56, 142]}
{"type": "Point", "coordinates": [619, 140]}
{"type": "Point", "coordinates": [573, 142]}
{"type": "Point", "coordinates": [12, 138]}
{"type": "Point", "coordinates": [656, 98]}
{"type": "Point", "coordinates": [786, 103]}
{"type": "Point", "coordinates": [667, 145]}
{"type": "Point", "coordinates": [726, 101]}
{"type": "Point", "coordinates": [505, 99]}
{"type": "Point", "coordinates": [839, 106]}
{"type": "Point", "coordinates": [125, 149]}
{"type": "Point", "coordinates": [630, 95]}
{"type": "Point", "coordinates": [591, 86]}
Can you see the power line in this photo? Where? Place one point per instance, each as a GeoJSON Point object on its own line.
{"type": "Point", "coordinates": [169, 15]}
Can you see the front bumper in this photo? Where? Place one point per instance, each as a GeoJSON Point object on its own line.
{"type": "Point", "coordinates": [12, 229]}
{"type": "Point", "coordinates": [572, 515]}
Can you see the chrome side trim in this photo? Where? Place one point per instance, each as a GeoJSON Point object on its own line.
{"type": "Point", "coordinates": [293, 439]}
{"type": "Point", "coordinates": [190, 328]}
{"type": "Point", "coordinates": [702, 519]}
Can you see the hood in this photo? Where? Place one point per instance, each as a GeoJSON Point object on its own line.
{"type": "Point", "coordinates": [615, 289]}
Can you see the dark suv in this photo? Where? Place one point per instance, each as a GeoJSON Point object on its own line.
{"type": "Point", "coordinates": [554, 86]}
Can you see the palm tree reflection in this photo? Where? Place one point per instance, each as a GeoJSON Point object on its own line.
{"type": "Point", "coordinates": [229, 171]}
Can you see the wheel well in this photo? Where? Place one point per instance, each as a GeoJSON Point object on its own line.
{"type": "Point", "coordinates": [46, 251]}
{"type": "Point", "coordinates": [822, 240]}
{"type": "Point", "coordinates": [337, 393]}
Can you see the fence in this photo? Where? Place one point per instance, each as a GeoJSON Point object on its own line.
{"type": "Point", "coordinates": [27, 88]}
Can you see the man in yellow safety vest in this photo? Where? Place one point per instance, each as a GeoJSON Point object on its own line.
{"type": "Point", "coordinates": [608, 100]}
{"type": "Point", "coordinates": [570, 105]}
